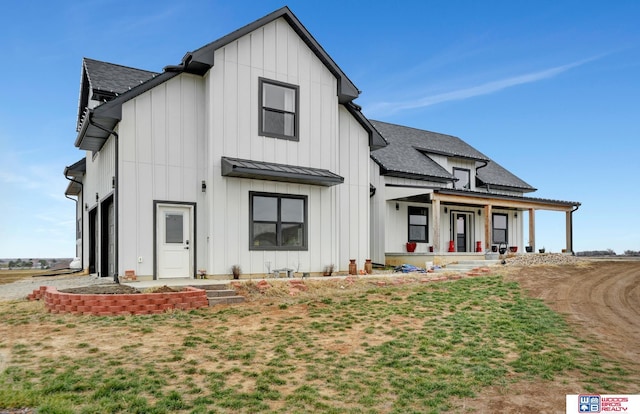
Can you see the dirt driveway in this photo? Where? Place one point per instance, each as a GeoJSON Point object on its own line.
{"type": "Point", "coordinates": [601, 302]}
{"type": "Point", "coordinates": [601, 299]}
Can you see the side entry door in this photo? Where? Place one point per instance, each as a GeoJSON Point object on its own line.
{"type": "Point", "coordinates": [174, 241]}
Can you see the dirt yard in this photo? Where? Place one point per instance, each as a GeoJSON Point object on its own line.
{"type": "Point", "coordinates": [599, 299]}
{"type": "Point", "coordinates": [601, 302]}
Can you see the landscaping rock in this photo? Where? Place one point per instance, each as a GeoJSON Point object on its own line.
{"type": "Point", "coordinates": [542, 259]}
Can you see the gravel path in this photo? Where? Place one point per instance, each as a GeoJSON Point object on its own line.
{"type": "Point", "coordinates": [21, 288]}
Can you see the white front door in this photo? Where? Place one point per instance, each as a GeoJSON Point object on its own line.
{"type": "Point", "coordinates": [174, 241]}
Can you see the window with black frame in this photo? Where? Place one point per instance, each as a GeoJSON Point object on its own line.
{"type": "Point", "coordinates": [418, 224]}
{"type": "Point", "coordinates": [500, 228]}
{"type": "Point", "coordinates": [278, 112]}
{"type": "Point", "coordinates": [278, 222]}
{"type": "Point", "coordinates": [464, 178]}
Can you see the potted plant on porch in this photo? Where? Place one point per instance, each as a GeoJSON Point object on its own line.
{"type": "Point", "coordinates": [235, 269]}
{"type": "Point", "coordinates": [411, 247]}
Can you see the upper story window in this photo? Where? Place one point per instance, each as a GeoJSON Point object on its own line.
{"type": "Point", "coordinates": [278, 112]}
{"type": "Point", "coordinates": [277, 221]}
{"type": "Point", "coordinates": [418, 230]}
{"type": "Point", "coordinates": [464, 178]}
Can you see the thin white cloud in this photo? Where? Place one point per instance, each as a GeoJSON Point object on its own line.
{"type": "Point", "coordinates": [484, 89]}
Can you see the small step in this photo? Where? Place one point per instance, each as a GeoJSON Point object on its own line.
{"type": "Point", "coordinates": [218, 286]}
{"type": "Point", "coordinates": [467, 265]}
{"type": "Point", "coordinates": [223, 300]}
{"type": "Point", "coordinates": [220, 293]}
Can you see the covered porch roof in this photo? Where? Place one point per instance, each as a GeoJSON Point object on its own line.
{"type": "Point", "coordinates": [488, 201]}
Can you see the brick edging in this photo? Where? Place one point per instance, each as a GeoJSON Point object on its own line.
{"type": "Point", "coordinates": [119, 304]}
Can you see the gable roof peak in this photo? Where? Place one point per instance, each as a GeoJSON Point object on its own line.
{"type": "Point", "coordinates": [201, 60]}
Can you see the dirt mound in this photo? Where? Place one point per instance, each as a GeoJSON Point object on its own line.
{"type": "Point", "coordinates": [102, 290]}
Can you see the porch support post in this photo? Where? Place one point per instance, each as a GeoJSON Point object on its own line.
{"type": "Point", "coordinates": [532, 228]}
{"type": "Point", "coordinates": [487, 228]}
{"type": "Point", "coordinates": [568, 232]}
{"type": "Point", "coordinates": [435, 219]}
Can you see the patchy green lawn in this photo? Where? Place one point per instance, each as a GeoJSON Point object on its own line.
{"type": "Point", "coordinates": [357, 348]}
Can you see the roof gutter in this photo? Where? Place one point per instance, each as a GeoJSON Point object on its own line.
{"type": "Point", "coordinates": [182, 66]}
{"type": "Point", "coordinates": [116, 198]}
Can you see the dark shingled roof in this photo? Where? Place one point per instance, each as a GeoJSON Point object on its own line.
{"type": "Point", "coordinates": [409, 150]}
{"type": "Point", "coordinates": [112, 78]}
{"type": "Point", "coordinates": [496, 176]}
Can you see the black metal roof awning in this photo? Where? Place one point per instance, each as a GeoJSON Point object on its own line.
{"type": "Point", "coordinates": [260, 170]}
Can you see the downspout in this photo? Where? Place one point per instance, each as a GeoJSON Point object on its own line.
{"type": "Point", "coordinates": [116, 199]}
{"type": "Point", "coordinates": [573, 253]}
{"type": "Point", "coordinates": [81, 204]}
{"type": "Point", "coordinates": [482, 166]}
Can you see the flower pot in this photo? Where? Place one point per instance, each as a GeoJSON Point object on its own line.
{"type": "Point", "coordinates": [529, 249]}
{"type": "Point", "coordinates": [541, 250]}
{"type": "Point", "coordinates": [494, 249]}
{"type": "Point", "coordinates": [368, 266]}
{"type": "Point", "coordinates": [411, 247]}
{"type": "Point", "coordinates": [353, 268]}
{"type": "Point", "coordinates": [431, 249]}
{"type": "Point", "coordinates": [513, 249]}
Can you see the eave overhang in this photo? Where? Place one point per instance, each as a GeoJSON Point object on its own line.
{"type": "Point", "coordinates": [450, 154]}
{"type": "Point", "coordinates": [260, 170]}
{"type": "Point", "coordinates": [73, 189]}
{"type": "Point", "coordinates": [415, 176]}
{"type": "Point", "coordinates": [477, 198]}
{"type": "Point", "coordinates": [74, 174]}
{"type": "Point", "coordinates": [77, 169]}
{"type": "Point", "coordinates": [376, 140]}
{"type": "Point", "coordinates": [91, 137]}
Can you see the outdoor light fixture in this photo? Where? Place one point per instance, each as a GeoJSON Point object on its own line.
{"type": "Point", "coordinates": [97, 197]}
{"type": "Point", "coordinates": [445, 210]}
{"type": "Point", "coordinates": [86, 206]}
{"type": "Point", "coordinates": [479, 212]}
{"type": "Point", "coordinates": [515, 215]}
{"type": "Point", "coordinates": [397, 206]}
{"type": "Point", "coordinates": [204, 186]}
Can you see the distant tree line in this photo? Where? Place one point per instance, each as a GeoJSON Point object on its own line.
{"type": "Point", "coordinates": [608, 252]}
{"type": "Point", "coordinates": [27, 264]}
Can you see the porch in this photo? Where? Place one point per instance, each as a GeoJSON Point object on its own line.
{"type": "Point", "coordinates": [425, 260]}
{"type": "Point", "coordinates": [450, 225]}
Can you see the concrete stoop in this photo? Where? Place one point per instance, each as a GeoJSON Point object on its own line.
{"type": "Point", "coordinates": [465, 266]}
{"type": "Point", "coordinates": [218, 294]}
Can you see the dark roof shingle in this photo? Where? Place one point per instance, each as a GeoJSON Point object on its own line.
{"type": "Point", "coordinates": [117, 79]}
{"type": "Point", "coordinates": [409, 150]}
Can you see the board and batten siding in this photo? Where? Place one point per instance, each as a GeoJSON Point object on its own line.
{"type": "Point", "coordinates": [98, 180]}
{"type": "Point", "coordinates": [161, 142]}
{"type": "Point", "coordinates": [337, 216]}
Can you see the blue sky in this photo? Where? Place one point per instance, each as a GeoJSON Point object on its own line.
{"type": "Point", "coordinates": [549, 89]}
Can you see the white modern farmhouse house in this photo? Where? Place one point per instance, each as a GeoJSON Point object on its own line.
{"type": "Point", "coordinates": [251, 152]}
